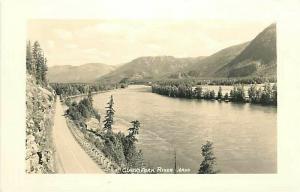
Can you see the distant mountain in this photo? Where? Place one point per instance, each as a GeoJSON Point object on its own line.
{"type": "Point", "coordinates": [254, 58]}
{"type": "Point", "coordinates": [208, 66]}
{"type": "Point", "coordinates": [149, 68]}
{"type": "Point", "coordinates": [257, 59]}
{"type": "Point", "coordinates": [78, 74]}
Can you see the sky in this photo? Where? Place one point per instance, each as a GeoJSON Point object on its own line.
{"type": "Point", "coordinates": [113, 42]}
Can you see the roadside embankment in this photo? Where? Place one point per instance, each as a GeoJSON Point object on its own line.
{"type": "Point", "coordinates": [89, 142]}
{"type": "Point", "coordinates": [40, 109]}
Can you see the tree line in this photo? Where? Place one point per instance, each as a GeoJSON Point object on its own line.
{"type": "Point", "coordinates": [118, 147]}
{"type": "Point", "coordinates": [234, 81]}
{"type": "Point", "coordinates": [70, 89]}
{"type": "Point", "coordinates": [227, 81]}
{"type": "Point", "coordinates": [266, 95]}
{"type": "Point", "coordinates": [36, 62]}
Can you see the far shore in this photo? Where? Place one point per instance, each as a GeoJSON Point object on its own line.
{"type": "Point", "coordinates": [85, 94]}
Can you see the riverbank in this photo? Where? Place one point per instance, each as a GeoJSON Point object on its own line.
{"type": "Point", "coordinates": [86, 94]}
{"type": "Point", "coordinates": [117, 147]}
{"type": "Point", "coordinates": [123, 128]}
{"type": "Point", "coordinates": [256, 94]}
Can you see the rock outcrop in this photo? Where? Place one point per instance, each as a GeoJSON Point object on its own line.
{"type": "Point", "coordinates": [39, 120]}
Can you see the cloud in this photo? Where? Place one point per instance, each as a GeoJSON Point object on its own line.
{"type": "Point", "coordinates": [71, 46]}
{"type": "Point", "coordinates": [153, 48]}
{"type": "Point", "coordinates": [50, 44]}
{"type": "Point", "coordinates": [63, 34]}
{"type": "Point", "coordinates": [104, 54]}
{"type": "Point", "coordinates": [91, 51]}
{"type": "Point", "coordinates": [119, 41]}
{"type": "Point", "coordinates": [109, 27]}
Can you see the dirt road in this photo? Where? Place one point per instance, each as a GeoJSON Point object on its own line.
{"type": "Point", "coordinates": [71, 158]}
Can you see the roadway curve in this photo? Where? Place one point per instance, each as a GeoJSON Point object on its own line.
{"type": "Point", "coordinates": [70, 157]}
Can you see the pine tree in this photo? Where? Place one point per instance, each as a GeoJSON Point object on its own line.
{"type": "Point", "coordinates": [134, 157]}
{"type": "Point", "coordinates": [212, 94]}
{"type": "Point", "coordinates": [44, 68]}
{"type": "Point", "coordinates": [36, 51]}
{"type": "Point", "coordinates": [274, 94]}
{"type": "Point", "coordinates": [220, 93]}
{"type": "Point", "coordinates": [90, 97]}
{"type": "Point", "coordinates": [36, 62]}
{"type": "Point", "coordinates": [134, 130]}
{"type": "Point", "coordinates": [207, 166]}
{"type": "Point", "coordinates": [251, 93]}
{"type": "Point", "coordinates": [28, 58]}
{"type": "Point", "coordinates": [39, 64]}
{"type": "Point", "coordinates": [267, 94]}
{"type": "Point", "coordinates": [109, 118]}
{"type": "Point", "coordinates": [226, 97]}
{"type": "Point", "coordinates": [198, 92]}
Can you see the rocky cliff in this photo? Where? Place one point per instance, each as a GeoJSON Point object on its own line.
{"type": "Point", "coordinates": [40, 102]}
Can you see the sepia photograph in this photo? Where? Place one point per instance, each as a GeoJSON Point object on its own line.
{"type": "Point", "coordinates": [151, 96]}
{"type": "Point", "coordinates": [146, 96]}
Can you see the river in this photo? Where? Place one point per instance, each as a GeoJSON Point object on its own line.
{"type": "Point", "coordinates": [244, 135]}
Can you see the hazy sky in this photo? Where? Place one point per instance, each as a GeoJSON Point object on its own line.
{"type": "Point", "coordinates": [76, 42]}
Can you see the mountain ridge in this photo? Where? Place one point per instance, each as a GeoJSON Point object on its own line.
{"type": "Point", "coordinates": [209, 65]}
{"type": "Point", "coordinates": [74, 74]}
{"type": "Point", "coordinates": [254, 58]}
{"type": "Point", "coordinates": [259, 58]}
{"type": "Point", "coordinates": [148, 67]}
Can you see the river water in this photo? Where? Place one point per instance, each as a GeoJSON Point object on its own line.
{"type": "Point", "coordinates": [244, 135]}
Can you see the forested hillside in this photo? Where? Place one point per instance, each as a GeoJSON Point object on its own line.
{"type": "Point", "coordinates": [208, 66]}
{"type": "Point", "coordinates": [40, 99]}
{"type": "Point", "coordinates": [78, 74]}
{"type": "Point", "coordinates": [257, 59]}
{"type": "Point", "coordinates": [148, 68]}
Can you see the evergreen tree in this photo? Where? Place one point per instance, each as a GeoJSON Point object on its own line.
{"type": "Point", "coordinates": [39, 63]}
{"type": "Point", "coordinates": [207, 166]}
{"type": "Point", "coordinates": [68, 101]}
{"type": "Point", "coordinates": [220, 93]}
{"type": "Point", "coordinates": [198, 92]}
{"type": "Point", "coordinates": [274, 95]}
{"type": "Point", "coordinates": [134, 157]}
{"type": "Point", "coordinates": [44, 69]}
{"type": "Point", "coordinates": [267, 94]}
{"type": "Point", "coordinates": [226, 97]}
{"type": "Point", "coordinates": [36, 54]}
{"type": "Point", "coordinates": [238, 93]}
{"type": "Point", "coordinates": [109, 118]}
{"type": "Point", "coordinates": [212, 94]}
{"type": "Point", "coordinates": [206, 94]}
{"type": "Point", "coordinates": [29, 58]}
{"type": "Point", "coordinates": [251, 93]}
{"type": "Point", "coordinates": [134, 130]}
{"type": "Point", "coordinates": [241, 93]}
{"type": "Point", "coordinates": [113, 147]}
{"type": "Point", "coordinates": [90, 97]}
